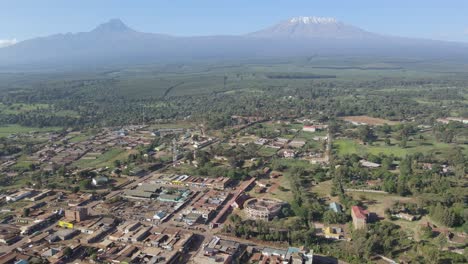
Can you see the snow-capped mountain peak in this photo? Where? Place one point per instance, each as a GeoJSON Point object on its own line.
{"type": "Point", "coordinates": [306, 27]}
{"type": "Point", "coordinates": [313, 20]}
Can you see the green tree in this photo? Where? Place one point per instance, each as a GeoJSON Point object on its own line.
{"type": "Point", "coordinates": [26, 212]}
{"type": "Point", "coordinates": [75, 189]}
{"type": "Point", "coordinates": [67, 252]}
{"type": "Point", "coordinates": [441, 241]}
{"type": "Point", "coordinates": [387, 142]}
{"type": "Point", "coordinates": [189, 156]}
{"type": "Point", "coordinates": [331, 217]}
{"type": "Point", "coordinates": [426, 232]}
{"type": "Point", "coordinates": [366, 134]}
{"type": "Point", "coordinates": [404, 142]}
{"type": "Point", "coordinates": [85, 184]}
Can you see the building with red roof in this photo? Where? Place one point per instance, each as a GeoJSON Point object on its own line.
{"type": "Point", "coordinates": [360, 217]}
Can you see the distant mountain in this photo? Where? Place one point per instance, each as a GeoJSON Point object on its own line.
{"type": "Point", "coordinates": [113, 26]}
{"type": "Point", "coordinates": [111, 42]}
{"type": "Point", "coordinates": [115, 44]}
{"type": "Point", "coordinates": [313, 27]}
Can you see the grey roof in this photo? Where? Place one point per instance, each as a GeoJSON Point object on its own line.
{"type": "Point", "coordinates": [148, 188]}
{"type": "Point", "coordinates": [50, 252]}
{"type": "Point", "coordinates": [192, 217]}
{"type": "Point", "coordinates": [136, 193]}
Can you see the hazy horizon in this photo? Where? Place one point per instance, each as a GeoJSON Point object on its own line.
{"type": "Point", "coordinates": [435, 20]}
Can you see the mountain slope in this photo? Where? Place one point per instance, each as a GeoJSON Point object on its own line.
{"type": "Point", "coordinates": [113, 44]}
{"type": "Point", "coordinates": [107, 40]}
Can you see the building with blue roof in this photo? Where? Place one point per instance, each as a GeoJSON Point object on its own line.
{"type": "Point", "coordinates": [336, 207]}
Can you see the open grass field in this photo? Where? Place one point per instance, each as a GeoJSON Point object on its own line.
{"type": "Point", "coordinates": [79, 138]}
{"type": "Point", "coordinates": [378, 202]}
{"type": "Point", "coordinates": [22, 163]}
{"type": "Point", "coordinates": [284, 193]}
{"type": "Point", "coordinates": [350, 146]}
{"type": "Point", "coordinates": [310, 135]}
{"type": "Point", "coordinates": [265, 151]}
{"type": "Point", "coordinates": [17, 183]}
{"type": "Point", "coordinates": [426, 146]}
{"type": "Point", "coordinates": [44, 109]}
{"type": "Point", "coordinates": [104, 160]}
{"type": "Point", "coordinates": [246, 139]}
{"type": "Point", "coordinates": [277, 125]}
{"type": "Point", "coordinates": [21, 108]}
{"type": "Point", "coordinates": [322, 189]}
{"type": "Point", "coordinates": [8, 130]}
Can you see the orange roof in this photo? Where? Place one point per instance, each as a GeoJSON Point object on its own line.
{"type": "Point", "coordinates": [359, 212]}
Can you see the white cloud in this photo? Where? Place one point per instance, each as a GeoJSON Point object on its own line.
{"type": "Point", "coordinates": [465, 32]}
{"type": "Point", "coordinates": [7, 42]}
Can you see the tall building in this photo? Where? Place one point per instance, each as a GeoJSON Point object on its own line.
{"type": "Point", "coordinates": [76, 214]}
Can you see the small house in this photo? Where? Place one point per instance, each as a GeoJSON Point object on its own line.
{"type": "Point", "coordinates": [336, 207]}
{"type": "Point", "coordinates": [100, 180]}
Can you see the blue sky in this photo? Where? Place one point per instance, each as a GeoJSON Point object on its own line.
{"type": "Point", "coordinates": [435, 19]}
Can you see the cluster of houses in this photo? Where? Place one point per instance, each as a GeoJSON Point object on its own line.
{"type": "Point", "coordinates": [58, 225]}
{"type": "Point", "coordinates": [63, 150]}
{"type": "Point", "coordinates": [136, 243]}
{"type": "Point", "coordinates": [219, 250]}
{"type": "Point", "coordinates": [205, 207]}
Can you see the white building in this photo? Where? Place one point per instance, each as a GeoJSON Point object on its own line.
{"type": "Point", "coordinates": [100, 180]}
{"type": "Point", "coordinates": [369, 164]}
{"type": "Point", "coordinates": [314, 128]}
{"type": "Point", "coordinates": [17, 196]}
{"type": "Point", "coordinates": [261, 141]}
{"type": "Point", "coordinates": [287, 153]}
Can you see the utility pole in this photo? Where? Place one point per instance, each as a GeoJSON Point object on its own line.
{"type": "Point", "coordinates": [175, 153]}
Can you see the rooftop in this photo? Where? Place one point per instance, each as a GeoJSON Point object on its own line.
{"type": "Point", "coordinates": [360, 212]}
